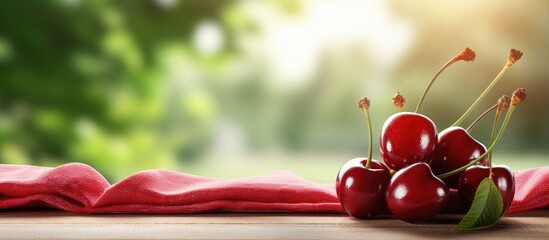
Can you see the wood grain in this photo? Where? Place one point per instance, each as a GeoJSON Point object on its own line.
{"type": "Point", "coordinates": [62, 225]}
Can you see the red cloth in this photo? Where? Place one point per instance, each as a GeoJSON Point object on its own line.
{"type": "Point", "coordinates": [79, 188]}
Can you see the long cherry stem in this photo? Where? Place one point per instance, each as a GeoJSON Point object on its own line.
{"type": "Point", "coordinates": [466, 55]}
{"type": "Point", "coordinates": [474, 124]}
{"type": "Point", "coordinates": [431, 83]}
{"type": "Point", "coordinates": [492, 84]}
{"type": "Point", "coordinates": [488, 151]}
{"type": "Point", "coordinates": [492, 136]}
{"type": "Point", "coordinates": [370, 137]}
{"type": "Point", "coordinates": [364, 104]}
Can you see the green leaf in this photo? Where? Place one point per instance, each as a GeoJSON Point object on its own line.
{"type": "Point", "coordinates": [485, 210]}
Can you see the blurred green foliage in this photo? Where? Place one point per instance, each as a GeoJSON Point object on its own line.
{"type": "Point", "coordinates": [83, 82]}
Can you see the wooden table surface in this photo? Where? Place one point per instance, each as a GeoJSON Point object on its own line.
{"type": "Point", "coordinates": [62, 225]}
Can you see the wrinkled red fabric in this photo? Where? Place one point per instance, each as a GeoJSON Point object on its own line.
{"type": "Point", "coordinates": [79, 188]}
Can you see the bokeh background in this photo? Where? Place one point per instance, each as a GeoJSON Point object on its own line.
{"type": "Point", "coordinates": [239, 88]}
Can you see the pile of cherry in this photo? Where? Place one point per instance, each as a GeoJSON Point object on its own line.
{"type": "Point", "coordinates": [420, 165]}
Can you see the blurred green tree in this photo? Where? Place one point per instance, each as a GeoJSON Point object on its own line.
{"type": "Point", "coordinates": [82, 81]}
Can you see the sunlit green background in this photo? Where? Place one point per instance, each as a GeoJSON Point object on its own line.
{"type": "Point", "coordinates": [239, 88]}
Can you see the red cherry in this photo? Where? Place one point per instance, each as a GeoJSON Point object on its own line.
{"type": "Point", "coordinates": [407, 138]}
{"type": "Point", "coordinates": [361, 190]}
{"type": "Point", "coordinates": [455, 148]}
{"type": "Point", "coordinates": [472, 176]}
{"type": "Point", "coordinates": [415, 194]}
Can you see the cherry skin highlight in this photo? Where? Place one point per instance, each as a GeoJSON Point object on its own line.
{"type": "Point", "coordinates": [361, 190]}
{"type": "Point", "coordinates": [470, 179]}
{"type": "Point", "coordinates": [407, 138]}
{"type": "Point", "coordinates": [415, 194]}
{"type": "Point", "coordinates": [455, 148]}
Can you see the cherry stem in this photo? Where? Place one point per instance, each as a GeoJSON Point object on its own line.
{"type": "Point", "coordinates": [492, 136]}
{"type": "Point", "coordinates": [492, 84]}
{"type": "Point", "coordinates": [482, 116]}
{"type": "Point", "coordinates": [398, 101]}
{"type": "Point", "coordinates": [488, 151]}
{"type": "Point", "coordinates": [367, 115]}
{"type": "Point", "coordinates": [466, 55]}
{"type": "Point", "coordinates": [431, 83]}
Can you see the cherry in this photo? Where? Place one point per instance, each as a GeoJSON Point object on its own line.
{"type": "Point", "coordinates": [472, 176]}
{"type": "Point", "coordinates": [470, 179]}
{"type": "Point", "coordinates": [361, 182]}
{"type": "Point", "coordinates": [407, 138]}
{"type": "Point", "coordinates": [414, 194]}
{"type": "Point", "coordinates": [361, 190]}
{"type": "Point", "coordinates": [455, 148]}
{"type": "Point", "coordinates": [502, 176]}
